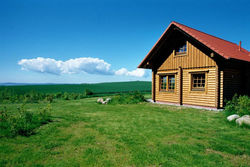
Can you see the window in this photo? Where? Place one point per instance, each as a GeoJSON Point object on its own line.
{"type": "Point", "coordinates": [198, 82]}
{"type": "Point", "coordinates": [171, 82]}
{"type": "Point", "coordinates": [167, 83]}
{"type": "Point", "coordinates": [181, 50]}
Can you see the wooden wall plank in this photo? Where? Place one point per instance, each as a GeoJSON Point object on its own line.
{"type": "Point", "coordinates": [193, 59]}
{"type": "Point", "coordinates": [206, 98]}
{"type": "Point", "coordinates": [221, 89]}
{"type": "Point", "coordinates": [153, 85]}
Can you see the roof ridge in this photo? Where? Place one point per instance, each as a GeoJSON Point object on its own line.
{"type": "Point", "coordinates": [174, 22]}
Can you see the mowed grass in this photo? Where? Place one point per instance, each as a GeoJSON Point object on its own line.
{"type": "Point", "coordinates": [84, 133]}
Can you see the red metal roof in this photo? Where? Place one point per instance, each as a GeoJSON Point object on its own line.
{"type": "Point", "coordinates": [222, 47]}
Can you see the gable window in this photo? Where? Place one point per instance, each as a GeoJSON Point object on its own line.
{"type": "Point", "coordinates": [167, 83]}
{"type": "Point", "coordinates": [198, 81]}
{"type": "Point", "coordinates": [181, 50]}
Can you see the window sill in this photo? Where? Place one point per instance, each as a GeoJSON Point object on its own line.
{"type": "Point", "coordinates": [180, 55]}
{"type": "Point", "coordinates": [198, 91]}
{"type": "Point", "coordinates": [166, 91]}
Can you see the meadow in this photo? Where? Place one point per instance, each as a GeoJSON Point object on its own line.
{"type": "Point", "coordinates": [82, 132]}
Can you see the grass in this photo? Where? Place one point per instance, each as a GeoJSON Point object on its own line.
{"type": "Point", "coordinates": [84, 133]}
{"type": "Point", "coordinates": [98, 88]}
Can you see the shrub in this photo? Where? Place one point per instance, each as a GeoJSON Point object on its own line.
{"type": "Point", "coordinates": [22, 122]}
{"type": "Point", "coordinates": [243, 107]}
{"type": "Point", "coordinates": [58, 95]}
{"type": "Point", "coordinates": [44, 114]}
{"type": "Point", "coordinates": [49, 98]}
{"type": "Point", "coordinates": [66, 96]}
{"type": "Point", "coordinates": [88, 92]}
{"type": "Point", "coordinates": [230, 107]}
{"type": "Point", "coordinates": [238, 105]}
{"type": "Point", "coordinates": [3, 116]}
{"type": "Point", "coordinates": [74, 96]}
{"type": "Point", "coordinates": [81, 96]}
{"type": "Point", "coordinates": [131, 98]}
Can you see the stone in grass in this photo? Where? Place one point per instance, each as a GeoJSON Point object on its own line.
{"type": "Point", "coordinates": [100, 100]}
{"type": "Point", "coordinates": [243, 120]}
{"type": "Point", "coordinates": [108, 100]}
{"type": "Point", "coordinates": [233, 117]}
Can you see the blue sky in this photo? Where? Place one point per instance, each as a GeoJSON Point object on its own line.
{"type": "Point", "coordinates": [73, 41]}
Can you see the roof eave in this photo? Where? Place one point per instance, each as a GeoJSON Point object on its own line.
{"type": "Point", "coordinates": [153, 48]}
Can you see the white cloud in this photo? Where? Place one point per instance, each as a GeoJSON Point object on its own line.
{"type": "Point", "coordinates": [43, 65]}
{"type": "Point", "coordinates": [122, 71]}
{"type": "Point", "coordinates": [84, 64]}
{"type": "Point", "coordinates": [52, 66]}
{"type": "Point", "coordinates": [135, 73]}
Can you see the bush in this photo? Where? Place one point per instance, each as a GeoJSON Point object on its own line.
{"type": "Point", "coordinates": [74, 96]}
{"type": "Point", "coordinates": [238, 105]}
{"type": "Point", "coordinates": [81, 96]}
{"type": "Point", "coordinates": [44, 114]}
{"type": "Point", "coordinates": [22, 122]}
{"type": "Point", "coordinates": [243, 107]}
{"type": "Point", "coordinates": [66, 96]}
{"type": "Point", "coordinates": [131, 98]}
{"type": "Point", "coordinates": [88, 92]}
{"type": "Point", "coordinates": [49, 98]}
{"type": "Point", "coordinates": [58, 95]}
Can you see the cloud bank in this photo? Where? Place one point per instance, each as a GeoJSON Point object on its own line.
{"type": "Point", "coordinates": [136, 73]}
{"type": "Point", "coordinates": [84, 64]}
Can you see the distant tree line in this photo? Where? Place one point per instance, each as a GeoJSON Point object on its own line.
{"type": "Point", "coordinates": [8, 95]}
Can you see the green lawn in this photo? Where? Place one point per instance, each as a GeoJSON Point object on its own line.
{"type": "Point", "coordinates": [84, 133]}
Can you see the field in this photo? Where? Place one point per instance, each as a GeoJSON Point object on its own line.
{"type": "Point", "coordinates": [84, 133]}
{"type": "Point", "coordinates": [99, 88]}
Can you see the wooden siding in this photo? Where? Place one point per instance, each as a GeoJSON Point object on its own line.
{"type": "Point", "coordinates": [217, 91]}
{"type": "Point", "coordinates": [153, 85]}
{"type": "Point", "coordinates": [180, 85]}
{"type": "Point", "coordinates": [200, 98]}
{"type": "Point", "coordinates": [221, 89]}
{"type": "Point", "coordinates": [193, 59]}
{"type": "Point", "coordinates": [172, 97]}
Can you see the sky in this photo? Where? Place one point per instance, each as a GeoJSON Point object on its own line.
{"type": "Point", "coordinates": [77, 41]}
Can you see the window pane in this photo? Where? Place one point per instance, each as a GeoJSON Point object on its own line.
{"type": "Point", "coordinates": [163, 82]}
{"type": "Point", "coordinates": [182, 49]}
{"type": "Point", "coordinates": [198, 81]}
{"type": "Point", "coordinates": [171, 82]}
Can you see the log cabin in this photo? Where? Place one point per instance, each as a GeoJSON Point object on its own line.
{"type": "Point", "coordinates": [190, 67]}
